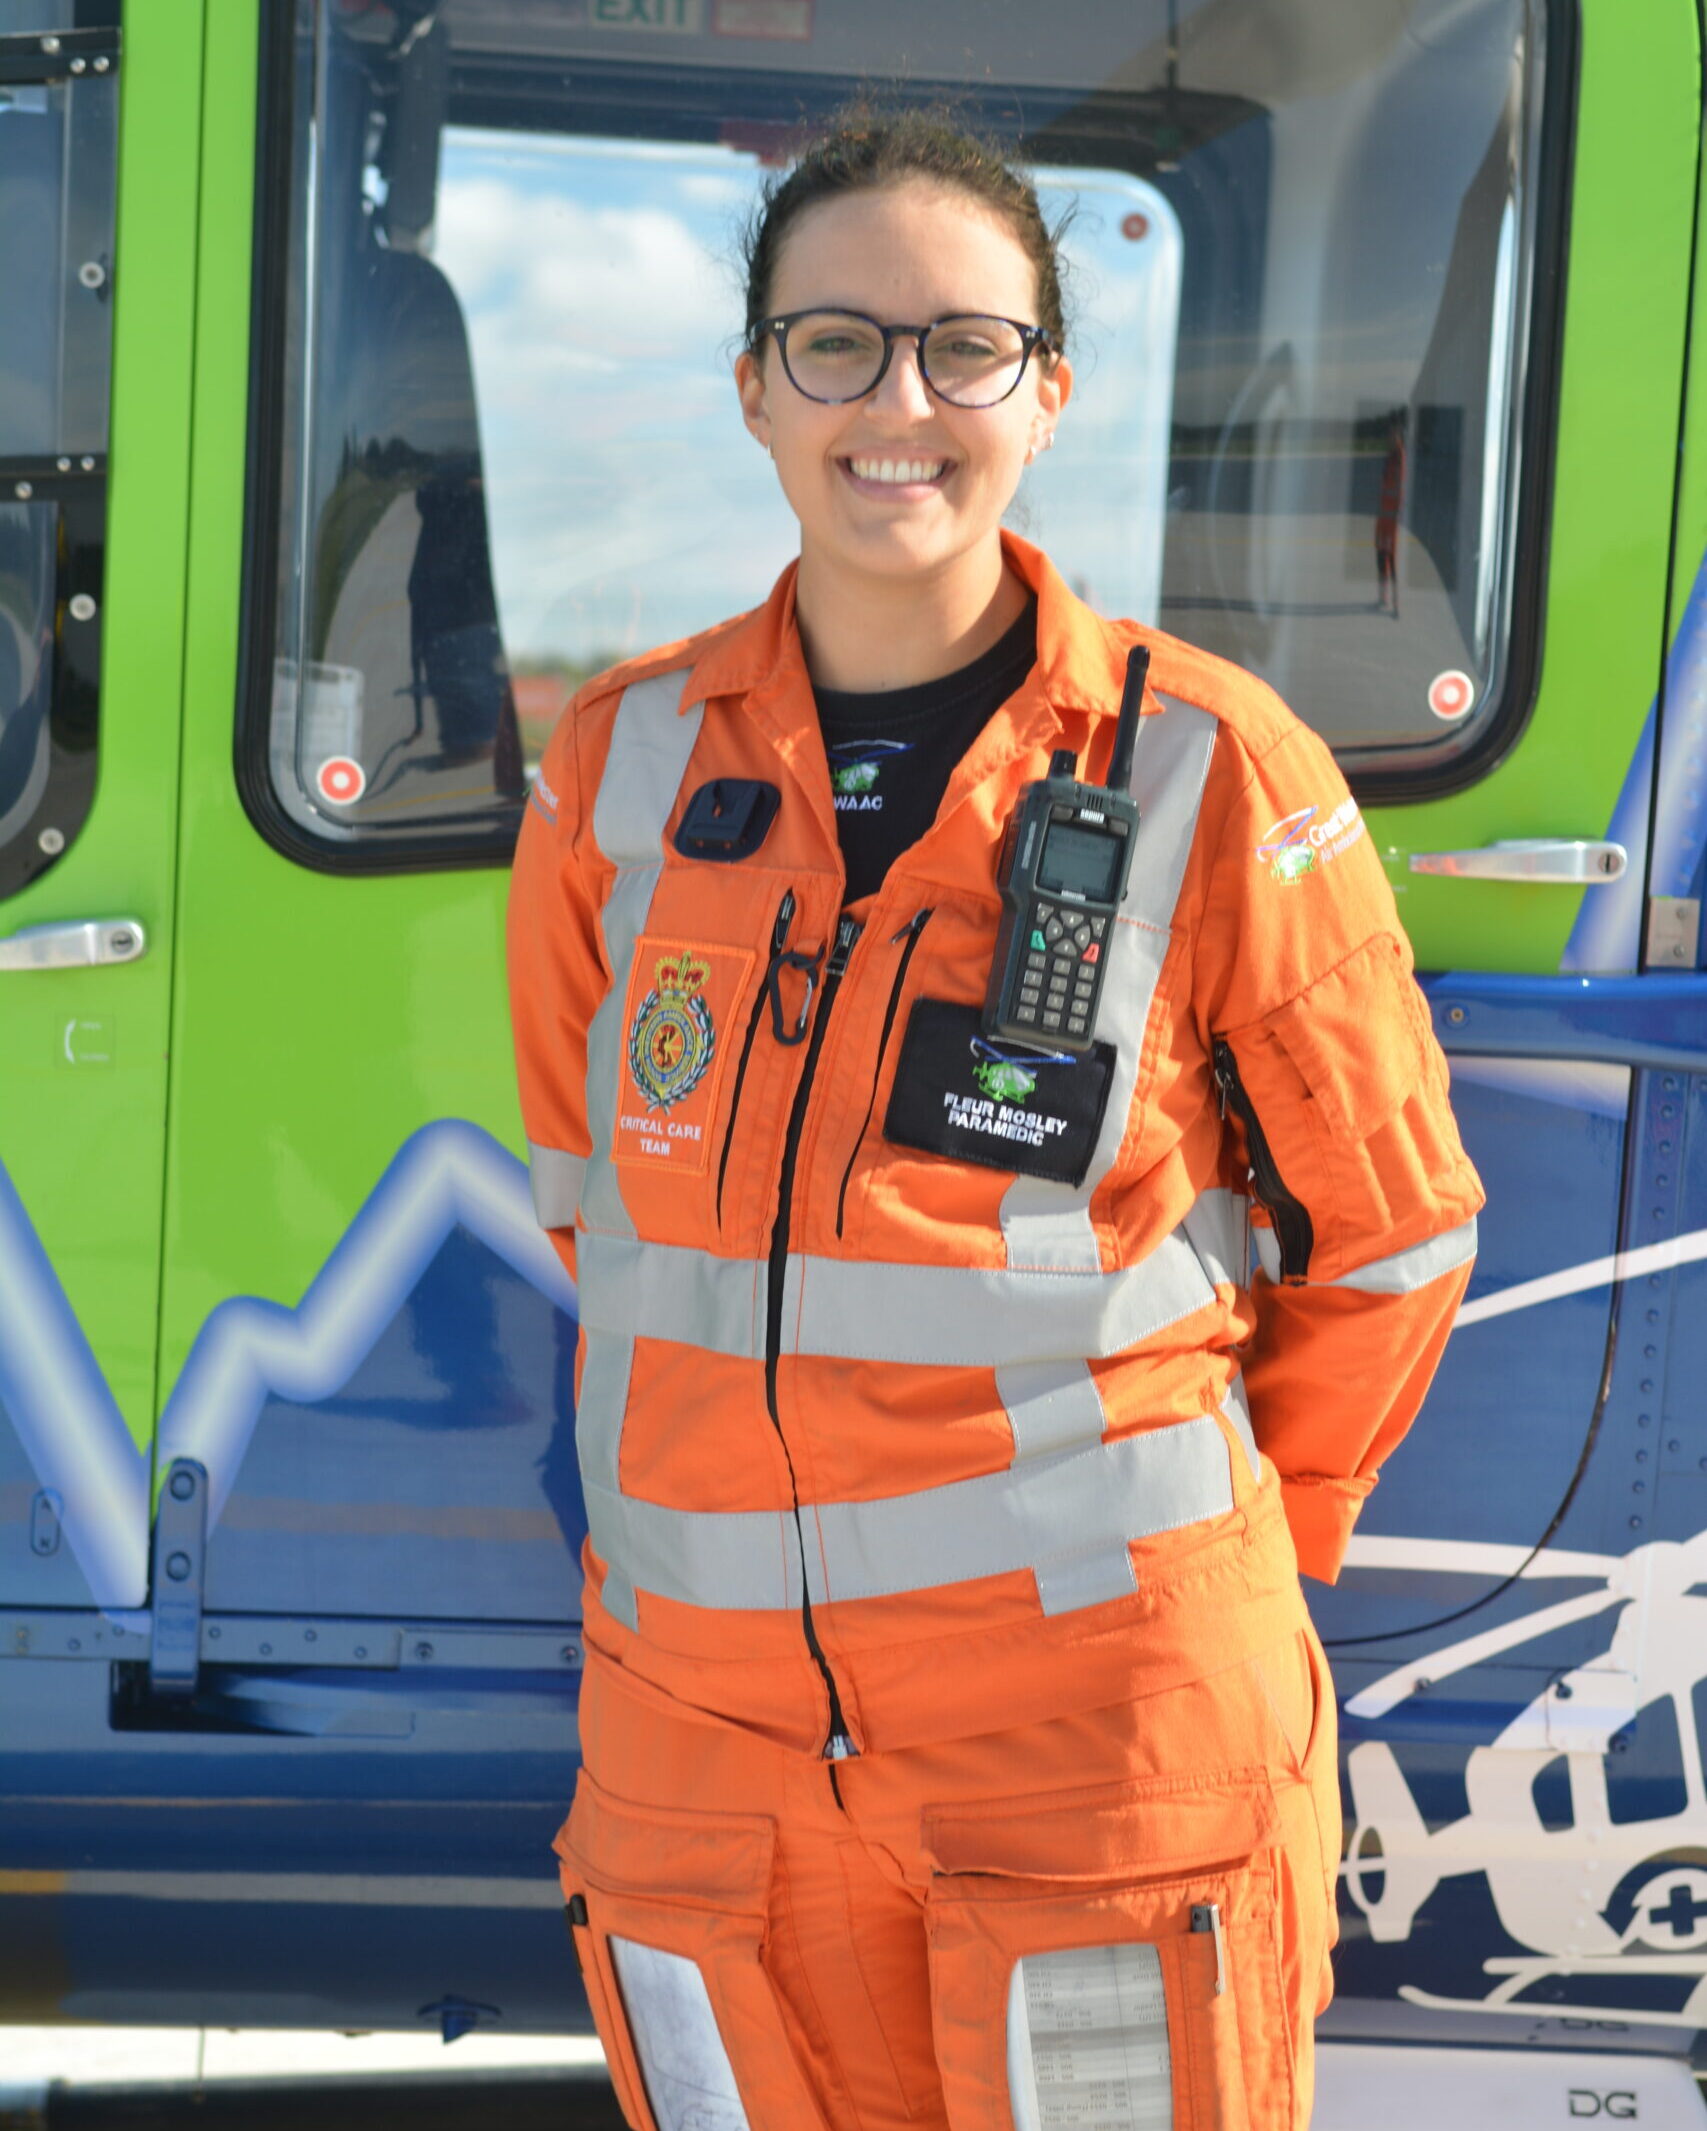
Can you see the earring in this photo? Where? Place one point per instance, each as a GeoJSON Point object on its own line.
{"type": "Point", "coordinates": [1049, 441]}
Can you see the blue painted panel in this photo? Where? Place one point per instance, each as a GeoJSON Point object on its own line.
{"type": "Point", "coordinates": [1658, 1021]}
{"type": "Point", "coordinates": [251, 1879]}
{"type": "Point", "coordinates": [1494, 1447]}
{"type": "Point", "coordinates": [29, 1577]}
{"type": "Point", "coordinates": [438, 1483]}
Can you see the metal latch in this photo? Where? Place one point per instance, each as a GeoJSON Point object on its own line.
{"type": "Point", "coordinates": [180, 1549]}
{"type": "Point", "coordinates": [1674, 931]}
{"type": "Point", "coordinates": [79, 943]}
{"type": "Point", "coordinates": [1556, 860]}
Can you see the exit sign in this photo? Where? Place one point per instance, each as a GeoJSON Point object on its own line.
{"type": "Point", "coordinates": [671, 18]}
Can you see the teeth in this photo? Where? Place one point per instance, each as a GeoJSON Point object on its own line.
{"type": "Point", "coordinates": [897, 469]}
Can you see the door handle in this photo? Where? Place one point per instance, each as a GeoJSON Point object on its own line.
{"type": "Point", "coordinates": [1541, 859]}
{"type": "Point", "coordinates": [80, 943]}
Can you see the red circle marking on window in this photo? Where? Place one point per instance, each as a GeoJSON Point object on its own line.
{"type": "Point", "coordinates": [1451, 694]}
{"type": "Point", "coordinates": [340, 780]}
{"type": "Point", "coordinates": [1135, 226]}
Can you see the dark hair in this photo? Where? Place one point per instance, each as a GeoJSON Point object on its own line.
{"type": "Point", "coordinates": [866, 149]}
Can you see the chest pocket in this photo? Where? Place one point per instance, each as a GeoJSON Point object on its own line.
{"type": "Point", "coordinates": [1032, 1113]}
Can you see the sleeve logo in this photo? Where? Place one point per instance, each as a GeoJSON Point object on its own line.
{"type": "Point", "coordinates": [673, 1041]}
{"type": "Point", "coordinates": [1298, 844]}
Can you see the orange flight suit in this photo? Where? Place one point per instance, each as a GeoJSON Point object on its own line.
{"type": "Point", "coordinates": [950, 1692]}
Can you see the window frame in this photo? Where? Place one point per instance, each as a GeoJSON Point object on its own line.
{"type": "Point", "coordinates": [1375, 777]}
{"type": "Point", "coordinates": [74, 485]}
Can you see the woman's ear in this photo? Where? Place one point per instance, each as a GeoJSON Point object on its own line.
{"type": "Point", "coordinates": [1054, 390]}
{"type": "Point", "coordinates": [750, 384]}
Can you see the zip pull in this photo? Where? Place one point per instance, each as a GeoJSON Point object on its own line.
{"type": "Point", "coordinates": [839, 1747]}
{"type": "Point", "coordinates": [1223, 1070]}
{"type": "Point", "coordinates": [1206, 1916]}
{"type": "Point", "coordinates": [848, 931]}
{"type": "Point", "coordinates": [913, 927]}
{"type": "Point", "coordinates": [780, 961]}
{"type": "Point", "coordinates": [784, 919]}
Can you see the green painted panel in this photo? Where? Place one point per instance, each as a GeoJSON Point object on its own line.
{"type": "Point", "coordinates": [83, 1135]}
{"type": "Point", "coordinates": [1633, 200]}
{"type": "Point", "coordinates": [1692, 481]}
{"type": "Point", "coordinates": [320, 1019]}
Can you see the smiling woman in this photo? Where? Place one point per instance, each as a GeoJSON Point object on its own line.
{"type": "Point", "coordinates": [957, 1749]}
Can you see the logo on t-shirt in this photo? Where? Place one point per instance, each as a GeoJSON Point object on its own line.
{"type": "Point", "coordinates": [855, 766]}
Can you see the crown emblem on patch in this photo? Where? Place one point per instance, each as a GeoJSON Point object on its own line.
{"type": "Point", "coordinates": [673, 1040]}
{"type": "Point", "coordinates": [680, 976]}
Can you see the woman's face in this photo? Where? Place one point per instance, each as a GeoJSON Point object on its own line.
{"type": "Point", "coordinates": [904, 256]}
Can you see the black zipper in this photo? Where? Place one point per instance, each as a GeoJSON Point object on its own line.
{"type": "Point", "coordinates": [779, 935]}
{"type": "Point", "coordinates": [1293, 1228]}
{"type": "Point", "coordinates": [910, 933]}
{"type": "Point", "coordinates": [838, 1747]}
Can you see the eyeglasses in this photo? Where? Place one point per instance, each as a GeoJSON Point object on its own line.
{"type": "Point", "coordinates": [969, 360]}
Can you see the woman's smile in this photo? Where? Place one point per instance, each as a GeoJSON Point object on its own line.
{"type": "Point", "coordinates": [893, 477]}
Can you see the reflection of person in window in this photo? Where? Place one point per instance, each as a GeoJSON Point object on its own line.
{"type": "Point", "coordinates": [1387, 519]}
{"type": "Point", "coordinates": [949, 1689]}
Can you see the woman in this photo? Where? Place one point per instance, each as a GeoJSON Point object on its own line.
{"type": "Point", "coordinates": [957, 1748]}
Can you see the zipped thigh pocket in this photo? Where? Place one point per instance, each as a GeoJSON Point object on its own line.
{"type": "Point", "coordinates": [1111, 1959]}
{"type": "Point", "coordinates": [668, 1912]}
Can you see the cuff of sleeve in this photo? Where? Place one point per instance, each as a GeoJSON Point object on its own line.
{"type": "Point", "coordinates": [1321, 1513]}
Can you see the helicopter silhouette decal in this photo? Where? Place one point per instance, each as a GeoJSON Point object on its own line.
{"type": "Point", "coordinates": [1589, 1897]}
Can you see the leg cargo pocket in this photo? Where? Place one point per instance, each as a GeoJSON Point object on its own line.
{"type": "Point", "coordinates": [668, 1911]}
{"type": "Point", "coordinates": [1109, 1959]}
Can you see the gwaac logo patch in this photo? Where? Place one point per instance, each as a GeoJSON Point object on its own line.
{"type": "Point", "coordinates": [856, 766]}
{"type": "Point", "coordinates": [1036, 1112]}
{"type": "Point", "coordinates": [680, 997]}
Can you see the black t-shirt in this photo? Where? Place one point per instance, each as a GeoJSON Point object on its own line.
{"type": "Point", "coordinates": [892, 753]}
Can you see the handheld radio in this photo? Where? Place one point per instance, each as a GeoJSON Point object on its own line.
{"type": "Point", "coordinates": [1063, 869]}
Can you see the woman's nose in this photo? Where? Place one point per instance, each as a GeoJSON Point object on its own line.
{"type": "Point", "coordinates": [902, 388]}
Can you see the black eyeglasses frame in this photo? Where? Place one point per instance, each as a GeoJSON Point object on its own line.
{"type": "Point", "coordinates": [1031, 338]}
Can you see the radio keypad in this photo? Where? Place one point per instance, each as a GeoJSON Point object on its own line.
{"type": "Point", "coordinates": [1057, 990]}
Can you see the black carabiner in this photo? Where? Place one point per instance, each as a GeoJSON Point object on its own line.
{"type": "Point", "coordinates": [779, 1013]}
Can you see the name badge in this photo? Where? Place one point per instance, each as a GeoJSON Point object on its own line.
{"type": "Point", "coordinates": [1007, 1106]}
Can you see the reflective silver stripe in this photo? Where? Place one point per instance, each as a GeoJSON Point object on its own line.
{"type": "Point", "coordinates": [985, 1316]}
{"type": "Point", "coordinates": [1215, 1225]}
{"type": "Point", "coordinates": [1047, 1226]}
{"type": "Point", "coordinates": [1237, 1409]}
{"type": "Point", "coordinates": [1401, 1274]}
{"type": "Point", "coordinates": [1052, 1406]}
{"type": "Point", "coordinates": [599, 1414]}
{"type": "Point", "coordinates": [555, 1177]}
{"type": "Point", "coordinates": [1067, 1518]}
{"type": "Point", "coordinates": [651, 741]}
{"type": "Point", "coordinates": [927, 1315]}
{"type": "Point", "coordinates": [734, 1560]}
{"type": "Point", "coordinates": [1407, 1270]}
{"type": "Point", "coordinates": [672, 1291]}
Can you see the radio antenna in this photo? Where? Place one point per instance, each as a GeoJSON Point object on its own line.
{"type": "Point", "coordinates": [1126, 726]}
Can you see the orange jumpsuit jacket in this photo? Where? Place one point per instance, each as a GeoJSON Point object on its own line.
{"type": "Point", "coordinates": [989, 1420]}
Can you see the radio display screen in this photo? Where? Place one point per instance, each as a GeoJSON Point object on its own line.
{"type": "Point", "coordinates": [1079, 862]}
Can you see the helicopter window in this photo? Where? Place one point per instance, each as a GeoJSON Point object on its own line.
{"type": "Point", "coordinates": [58, 142]}
{"type": "Point", "coordinates": [499, 300]}
{"type": "Point", "coordinates": [1654, 1784]}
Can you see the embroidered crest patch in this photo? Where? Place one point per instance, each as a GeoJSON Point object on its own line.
{"type": "Point", "coordinates": [674, 1039]}
{"type": "Point", "coordinates": [675, 1024]}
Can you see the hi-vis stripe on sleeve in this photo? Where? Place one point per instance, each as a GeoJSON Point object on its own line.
{"type": "Point", "coordinates": [555, 1177]}
{"type": "Point", "coordinates": [1401, 1274]}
